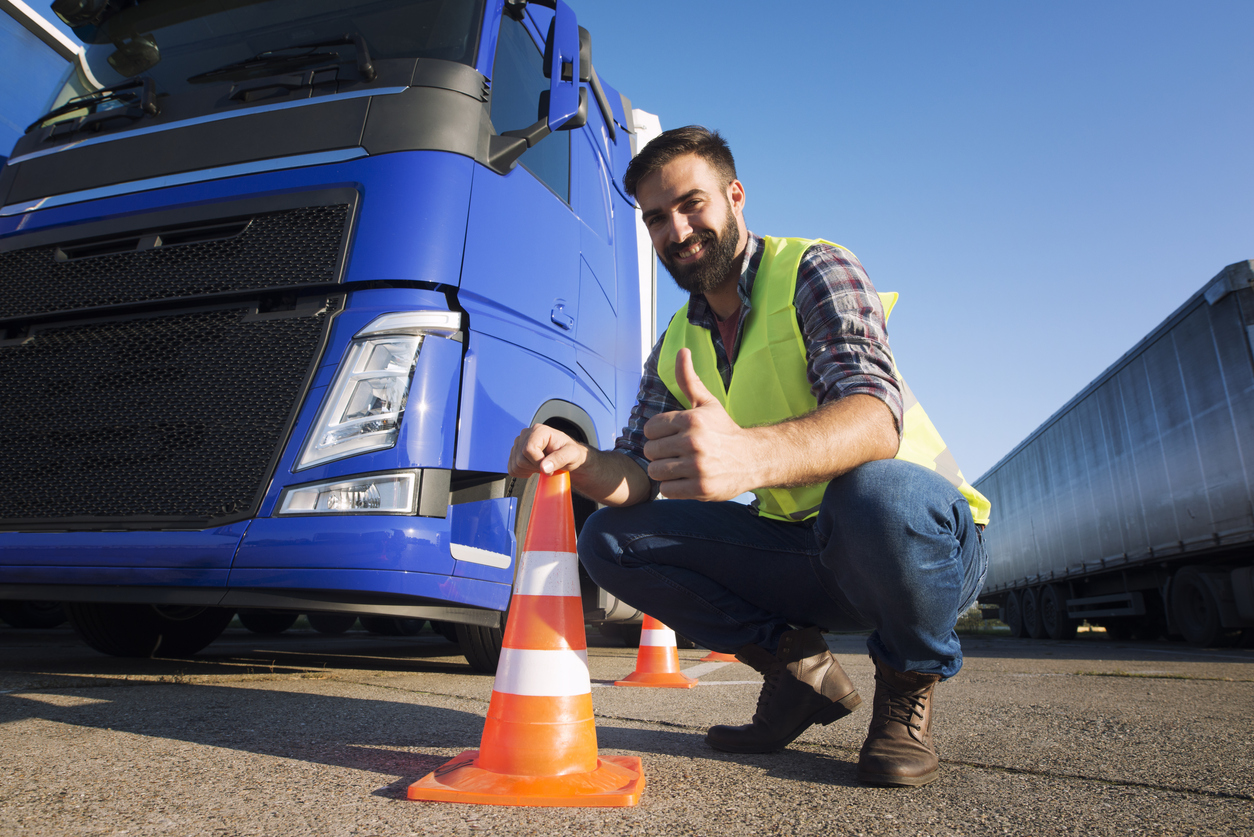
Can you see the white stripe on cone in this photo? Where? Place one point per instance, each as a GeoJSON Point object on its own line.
{"type": "Point", "coordinates": [657, 636]}
{"type": "Point", "coordinates": [542, 573]}
{"type": "Point", "coordinates": [543, 673]}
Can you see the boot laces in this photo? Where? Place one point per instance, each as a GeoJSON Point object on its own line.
{"type": "Point", "coordinates": [771, 679]}
{"type": "Point", "coordinates": [904, 707]}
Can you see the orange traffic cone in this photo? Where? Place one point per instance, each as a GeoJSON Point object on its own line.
{"type": "Point", "coordinates": [719, 657]}
{"type": "Point", "coordinates": [539, 743]}
{"type": "Point", "coordinates": [657, 662]}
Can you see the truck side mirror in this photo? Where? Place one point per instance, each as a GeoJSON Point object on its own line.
{"type": "Point", "coordinates": [562, 67]}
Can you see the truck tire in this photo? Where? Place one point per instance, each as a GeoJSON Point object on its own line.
{"type": "Point", "coordinates": [1032, 613]}
{"type": "Point", "coordinates": [1053, 610]}
{"type": "Point", "coordinates": [32, 614]}
{"type": "Point", "coordinates": [332, 624]}
{"type": "Point", "coordinates": [1012, 614]}
{"type": "Point", "coordinates": [269, 622]}
{"type": "Point", "coordinates": [140, 630]}
{"type": "Point", "coordinates": [1194, 608]}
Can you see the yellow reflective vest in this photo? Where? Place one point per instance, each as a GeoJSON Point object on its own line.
{"type": "Point", "coordinates": [770, 382]}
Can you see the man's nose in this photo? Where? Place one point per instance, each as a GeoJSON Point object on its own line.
{"type": "Point", "coordinates": [680, 229]}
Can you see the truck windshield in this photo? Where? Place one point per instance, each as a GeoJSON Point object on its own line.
{"type": "Point", "coordinates": [180, 43]}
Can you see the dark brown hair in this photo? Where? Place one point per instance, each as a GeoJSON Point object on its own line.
{"type": "Point", "coordinates": [666, 146]}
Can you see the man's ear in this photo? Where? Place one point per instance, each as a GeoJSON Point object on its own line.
{"type": "Point", "coordinates": [736, 196]}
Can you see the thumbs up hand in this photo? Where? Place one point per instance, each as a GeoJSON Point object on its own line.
{"type": "Point", "coordinates": [699, 453]}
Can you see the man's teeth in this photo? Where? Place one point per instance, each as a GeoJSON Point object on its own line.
{"type": "Point", "coordinates": [689, 251]}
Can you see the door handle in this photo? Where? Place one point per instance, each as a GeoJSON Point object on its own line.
{"type": "Point", "coordinates": [560, 318]}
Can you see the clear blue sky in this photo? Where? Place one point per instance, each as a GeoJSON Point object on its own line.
{"type": "Point", "coordinates": [1042, 182]}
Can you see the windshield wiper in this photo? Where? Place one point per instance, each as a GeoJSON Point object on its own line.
{"type": "Point", "coordinates": [271, 57]}
{"type": "Point", "coordinates": [139, 103]}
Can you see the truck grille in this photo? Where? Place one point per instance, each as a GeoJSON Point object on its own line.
{"type": "Point", "coordinates": [168, 417]}
{"type": "Point", "coordinates": [291, 248]}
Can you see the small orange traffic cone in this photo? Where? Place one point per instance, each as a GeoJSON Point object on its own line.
{"type": "Point", "coordinates": [719, 657]}
{"type": "Point", "coordinates": [657, 662]}
{"type": "Point", "coordinates": [539, 743]}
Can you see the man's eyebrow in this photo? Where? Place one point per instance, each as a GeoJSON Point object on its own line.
{"type": "Point", "coordinates": [691, 193]}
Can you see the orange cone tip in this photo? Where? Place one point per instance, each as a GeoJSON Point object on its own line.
{"type": "Point", "coordinates": [657, 662]}
{"type": "Point", "coordinates": [719, 657]}
{"type": "Point", "coordinates": [539, 745]}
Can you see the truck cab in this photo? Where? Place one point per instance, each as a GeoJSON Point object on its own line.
{"type": "Point", "coordinates": [283, 282]}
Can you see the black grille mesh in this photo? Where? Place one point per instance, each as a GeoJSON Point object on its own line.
{"type": "Point", "coordinates": [171, 416]}
{"type": "Point", "coordinates": [279, 249]}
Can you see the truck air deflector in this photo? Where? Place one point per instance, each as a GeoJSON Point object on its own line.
{"type": "Point", "coordinates": [334, 125]}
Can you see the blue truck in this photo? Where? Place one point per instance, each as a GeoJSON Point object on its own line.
{"type": "Point", "coordinates": [282, 280]}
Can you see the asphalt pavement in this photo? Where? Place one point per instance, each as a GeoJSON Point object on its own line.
{"type": "Point", "coordinates": [302, 734]}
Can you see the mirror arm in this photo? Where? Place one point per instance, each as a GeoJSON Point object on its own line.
{"type": "Point", "coordinates": [598, 93]}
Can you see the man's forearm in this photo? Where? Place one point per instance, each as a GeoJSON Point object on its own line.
{"type": "Point", "coordinates": [822, 445]}
{"type": "Point", "coordinates": [611, 478]}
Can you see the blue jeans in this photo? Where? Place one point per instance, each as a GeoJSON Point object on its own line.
{"type": "Point", "coordinates": [893, 550]}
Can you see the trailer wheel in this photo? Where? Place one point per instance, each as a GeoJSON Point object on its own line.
{"type": "Point", "coordinates": [140, 630]}
{"type": "Point", "coordinates": [32, 614]}
{"type": "Point", "coordinates": [264, 621]}
{"type": "Point", "coordinates": [1032, 613]}
{"type": "Point", "coordinates": [1053, 609]}
{"type": "Point", "coordinates": [1012, 614]}
{"type": "Point", "coordinates": [1195, 609]}
{"type": "Point", "coordinates": [332, 624]}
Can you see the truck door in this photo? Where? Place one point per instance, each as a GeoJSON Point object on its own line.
{"type": "Point", "coordinates": [520, 277]}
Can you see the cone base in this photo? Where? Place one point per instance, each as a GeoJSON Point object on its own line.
{"type": "Point", "coordinates": [616, 783]}
{"type": "Point", "coordinates": [658, 680]}
{"type": "Point", "coordinates": [719, 657]}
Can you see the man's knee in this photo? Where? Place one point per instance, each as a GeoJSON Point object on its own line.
{"type": "Point", "coordinates": [880, 501]}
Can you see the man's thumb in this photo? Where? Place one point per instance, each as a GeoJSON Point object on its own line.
{"type": "Point", "coordinates": [689, 382]}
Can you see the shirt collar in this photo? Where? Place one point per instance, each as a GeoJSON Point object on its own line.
{"type": "Point", "coordinates": [699, 312]}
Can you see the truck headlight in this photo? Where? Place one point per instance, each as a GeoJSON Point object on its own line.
{"type": "Point", "coordinates": [362, 410]}
{"type": "Point", "coordinates": [393, 493]}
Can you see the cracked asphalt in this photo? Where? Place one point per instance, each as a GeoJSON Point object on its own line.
{"type": "Point", "coordinates": [302, 734]}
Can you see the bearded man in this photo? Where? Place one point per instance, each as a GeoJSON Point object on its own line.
{"type": "Point", "coordinates": [775, 378]}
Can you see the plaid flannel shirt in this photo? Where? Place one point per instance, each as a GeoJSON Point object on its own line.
{"type": "Point", "coordinates": [842, 323]}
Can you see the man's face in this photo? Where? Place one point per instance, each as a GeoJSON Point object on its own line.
{"type": "Point", "coordinates": [694, 221]}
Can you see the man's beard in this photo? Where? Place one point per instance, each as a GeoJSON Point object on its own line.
{"type": "Point", "coordinates": [708, 272]}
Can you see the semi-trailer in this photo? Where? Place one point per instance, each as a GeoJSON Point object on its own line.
{"type": "Point", "coordinates": [282, 280]}
{"type": "Point", "coordinates": [1131, 507]}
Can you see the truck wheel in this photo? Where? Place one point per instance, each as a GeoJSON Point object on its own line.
{"type": "Point", "coordinates": [270, 622]}
{"type": "Point", "coordinates": [32, 614]}
{"type": "Point", "coordinates": [139, 630]}
{"type": "Point", "coordinates": [1195, 609]}
{"type": "Point", "coordinates": [1012, 614]}
{"type": "Point", "coordinates": [1032, 613]}
{"type": "Point", "coordinates": [331, 624]}
{"type": "Point", "coordinates": [1053, 608]}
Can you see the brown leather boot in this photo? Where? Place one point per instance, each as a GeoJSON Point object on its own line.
{"type": "Point", "coordinates": [898, 749]}
{"type": "Point", "coordinates": [804, 686]}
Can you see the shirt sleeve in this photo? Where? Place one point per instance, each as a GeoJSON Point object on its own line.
{"type": "Point", "coordinates": [653, 398]}
{"type": "Point", "coordinates": [846, 335]}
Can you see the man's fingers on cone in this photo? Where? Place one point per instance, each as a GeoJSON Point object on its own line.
{"type": "Point", "coordinates": [689, 381]}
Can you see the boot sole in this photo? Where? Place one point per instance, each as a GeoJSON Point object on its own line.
{"type": "Point", "coordinates": [835, 712]}
{"type": "Point", "coordinates": [888, 780]}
